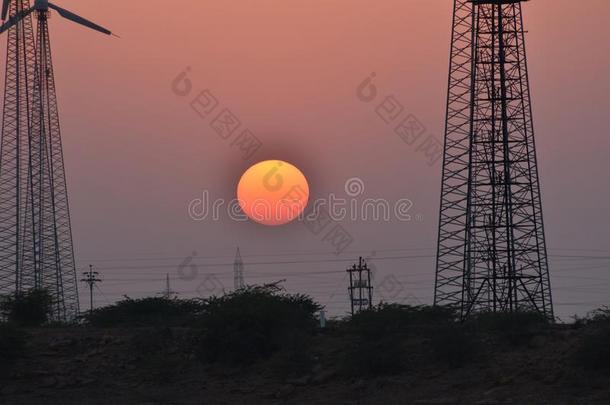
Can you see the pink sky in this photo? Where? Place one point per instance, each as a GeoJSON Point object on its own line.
{"type": "Point", "coordinates": [136, 154]}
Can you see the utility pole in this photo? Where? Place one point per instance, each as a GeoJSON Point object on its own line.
{"type": "Point", "coordinates": [91, 278]}
{"type": "Point", "coordinates": [360, 288]}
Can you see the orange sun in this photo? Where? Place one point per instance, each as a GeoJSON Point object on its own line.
{"type": "Point", "coordinates": [273, 192]}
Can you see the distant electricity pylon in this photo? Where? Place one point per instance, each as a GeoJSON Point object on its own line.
{"type": "Point", "coordinates": [168, 293]}
{"type": "Point", "coordinates": [91, 279]}
{"type": "Point", "coordinates": [492, 255]}
{"type": "Point", "coordinates": [36, 249]}
{"type": "Point", "coordinates": [360, 288]}
{"type": "Point", "coordinates": [238, 272]}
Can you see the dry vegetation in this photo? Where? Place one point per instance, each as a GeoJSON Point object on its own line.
{"type": "Point", "coordinates": [262, 346]}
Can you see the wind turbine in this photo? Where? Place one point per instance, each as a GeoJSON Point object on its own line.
{"type": "Point", "coordinates": [39, 247]}
{"type": "Point", "coordinates": [42, 7]}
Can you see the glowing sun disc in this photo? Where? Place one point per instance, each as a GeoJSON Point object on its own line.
{"type": "Point", "coordinates": [273, 192]}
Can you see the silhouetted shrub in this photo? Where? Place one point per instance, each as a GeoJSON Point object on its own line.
{"type": "Point", "coordinates": [601, 315]}
{"type": "Point", "coordinates": [377, 337]}
{"type": "Point", "coordinates": [593, 350]}
{"type": "Point", "coordinates": [29, 308]}
{"type": "Point", "coordinates": [387, 319]}
{"type": "Point", "coordinates": [152, 311]}
{"type": "Point", "coordinates": [253, 323]}
{"type": "Point", "coordinates": [516, 328]}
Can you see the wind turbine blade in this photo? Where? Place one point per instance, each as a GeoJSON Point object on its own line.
{"type": "Point", "coordinates": [5, 5]}
{"type": "Point", "coordinates": [79, 20]}
{"type": "Point", "coordinates": [15, 19]}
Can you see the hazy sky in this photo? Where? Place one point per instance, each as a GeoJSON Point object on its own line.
{"type": "Point", "coordinates": [137, 154]}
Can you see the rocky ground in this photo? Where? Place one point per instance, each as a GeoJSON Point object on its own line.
{"type": "Point", "coordinates": [133, 366]}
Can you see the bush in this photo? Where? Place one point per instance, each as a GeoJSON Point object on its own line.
{"type": "Point", "coordinates": [252, 323]}
{"type": "Point", "coordinates": [378, 336]}
{"type": "Point", "coordinates": [516, 328]}
{"type": "Point", "coordinates": [153, 311]}
{"type": "Point", "coordinates": [30, 308]}
{"type": "Point", "coordinates": [601, 315]}
{"type": "Point", "coordinates": [593, 352]}
{"type": "Point", "coordinates": [388, 319]}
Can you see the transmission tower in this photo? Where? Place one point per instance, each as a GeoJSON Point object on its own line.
{"type": "Point", "coordinates": [492, 254]}
{"type": "Point", "coordinates": [36, 249]}
{"type": "Point", "coordinates": [238, 271]}
{"type": "Point", "coordinates": [168, 293]}
{"type": "Point", "coordinates": [360, 287]}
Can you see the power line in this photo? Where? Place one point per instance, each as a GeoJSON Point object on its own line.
{"type": "Point", "coordinates": [302, 253]}
{"type": "Point", "coordinates": [324, 284]}
{"type": "Point", "coordinates": [295, 253]}
{"type": "Point", "coordinates": [346, 260]}
{"type": "Point", "coordinates": [103, 295]}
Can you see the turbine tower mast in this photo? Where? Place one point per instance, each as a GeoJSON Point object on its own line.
{"type": "Point", "coordinates": [491, 254]}
{"type": "Point", "coordinates": [42, 254]}
{"type": "Point", "coordinates": [15, 166]}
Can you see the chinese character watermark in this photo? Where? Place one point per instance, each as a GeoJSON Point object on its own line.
{"type": "Point", "coordinates": [405, 125]}
{"type": "Point", "coordinates": [221, 119]}
{"type": "Point", "coordinates": [209, 285]}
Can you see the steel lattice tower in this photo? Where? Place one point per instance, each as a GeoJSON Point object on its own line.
{"type": "Point", "coordinates": [238, 271]}
{"type": "Point", "coordinates": [491, 254]}
{"type": "Point", "coordinates": [15, 164]}
{"type": "Point", "coordinates": [36, 247]}
{"type": "Point", "coordinates": [56, 261]}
